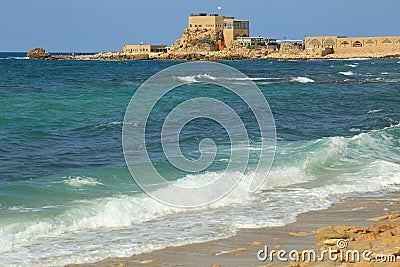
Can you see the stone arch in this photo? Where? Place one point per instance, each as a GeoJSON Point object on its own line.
{"type": "Point", "coordinates": [315, 42]}
{"type": "Point", "coordinates": [329, 42]}
{"type": "Point", "coordinates": [357, 44]}
{"type": "Point", "coordinates": [244, 35]}
{"type": "Point", "coordinates": [345, 43]}
{"type": "Point", "coordinates": [370, 42]}
{"type": "Point", "coordinates": [387, 41]}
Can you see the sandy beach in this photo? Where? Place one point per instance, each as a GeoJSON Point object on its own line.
{"type": "Point", "coordinates": [370, 222]}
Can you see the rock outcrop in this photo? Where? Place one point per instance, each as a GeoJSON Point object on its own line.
{"type": "Point", "coordinates": [38, 53]}
{"type": "Point", "coordinates": [197, 40]}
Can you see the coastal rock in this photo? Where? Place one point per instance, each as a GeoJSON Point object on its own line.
{"type": "Point", "coordinates": [321, 238]}
{"type": "Point", "coordinates": [379, 219]}
{"type": "Point", "coordinates": [348, 229]}
{"type": "Point", "coordinates": [38, 53]}
{"type": "Point", "coordinates": [331, 242]}
{"type": "Point", "coordinates": [196, 41]}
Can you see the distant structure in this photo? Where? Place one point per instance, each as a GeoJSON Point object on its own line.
{"type": "Point", "coordinates": [348, 45]}
{"type": "Point", "coordinates": [230, 27]}
{"type": "Point", "coordinates": [144, 49]}
{"type": "Point", "coordinates": [269, 43]}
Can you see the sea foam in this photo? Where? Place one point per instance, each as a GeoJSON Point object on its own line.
{"type": "Point", "coordinates": [302, 80]}
{"type": "Point", "coordinates": [307, 176]}
{"type": "Point", "coordinates": [78, 181]}
{"type": "Point", "coordinates": [346, 73]}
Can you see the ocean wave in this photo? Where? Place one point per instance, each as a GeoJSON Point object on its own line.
{"type": "Point", "coordinates": [15, 58]}
{"type": "Point", "coordinates": [347, 73]}
{"type": "Point", "coordinates": [374, 111]}
{"type": "Point", "coordinates": [196, 78]}
{"type": "Point", "coordinates": [24, 209]}
{"type": "Point", "coordinates": [208, 77]}
{"type": "Point", "coordinates": [318, 172]}
{"type": "Point", "coordinates": [354, 65]}
{"type": "Point", "coordinates": [255, 79]}
{"type": "Point", "coordinates": [116, 123]}
{"type": "Point", "coordinates": [78, 181]}
{"type": "Point", "coordinates": [314, 156]}
{"type": "Point", "coordinates": [355, 130]}
{"type": "Point", "coordinates": [302, 80]}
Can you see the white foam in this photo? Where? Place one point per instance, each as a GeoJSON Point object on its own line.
{"type": "Point", "coordinates": [282, 177]}
{"type": "Point", "coordinates": [207, 77]}
{"type": "Point", "coordinates": [187, 79]}
{"type": "Point", "coordinates": [298, 185]}
{"type": "Point", "coordinates": [374, 111]}
{"type": "Point", "coordinates": [16, 58]}
{"type": "Point", "coordinates": [254, 79]}
{"type": "Point", "coordinates": [346, 73]}
{"type": "Point", "coordinates": [302, 80]}
{"type": "Point", "coordinates": [354, 65]}
{"type": "Point", "coordinates": [78, 181]}
{"type": "Point", "coordinates": [24, 209]}
{"type": "Point", "coordinates": [354, 130]}
{"type": "Point", "coordinates": [116, 123]}
{"type": "Point", "coordinates": [195, 79]}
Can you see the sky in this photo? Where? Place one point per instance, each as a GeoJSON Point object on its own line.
{"type": "Point", "coordinates": [106, 25]}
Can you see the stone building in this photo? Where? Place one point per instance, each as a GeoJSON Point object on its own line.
{"type": "Point", "coordinates": [230, 27]}
{"type": "Point", "coordinates": [352, 45]}
{"type": "Point", "coordinates": [144, 49]}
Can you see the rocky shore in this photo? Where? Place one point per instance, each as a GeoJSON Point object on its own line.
{"type": "Point", "coordinates": [236, 54]}
{"type": "Point", "coordinates": [202, 44]}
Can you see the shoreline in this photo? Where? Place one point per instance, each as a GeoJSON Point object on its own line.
{"type": "Point", "coordinates": [199, 57]}
{"type": "Point", "coordinates": [241, 249]}
{"type": "Point", "coordinates": [40, 53]}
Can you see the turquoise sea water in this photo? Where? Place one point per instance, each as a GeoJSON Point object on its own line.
{"type": "Point", "coordinates": [66, 195]}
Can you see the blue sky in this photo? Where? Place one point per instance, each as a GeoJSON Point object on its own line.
{"type": "Point", "coordinates": [105, 25]}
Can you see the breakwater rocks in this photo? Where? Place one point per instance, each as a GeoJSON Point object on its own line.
{"type": "Point", "coordinates": [189, 52]}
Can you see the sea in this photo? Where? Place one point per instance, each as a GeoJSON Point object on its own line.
{"type": "Point", "coordinates": [67, 196]}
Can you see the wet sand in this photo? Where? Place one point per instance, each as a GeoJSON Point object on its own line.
{"type": "Point", "coordinates": [241, 250]}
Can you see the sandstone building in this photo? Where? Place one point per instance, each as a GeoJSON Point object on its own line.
{"type": "Point", "coordinates": [352, 45]}
{"type": "Point", "coordinates": [144, 49]}
{"type": "Point", "coordinates": [230, 27]}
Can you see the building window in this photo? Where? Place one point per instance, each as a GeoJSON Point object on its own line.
{"type": "Point", "coordinates": [345, 43]}
{"type": "Point", "coordinates": [387, 41]}
{"type": "Point", "coordinates": [370, 42]}
{"type": "Point", "coordinates": [357, 44]}
{"type": "Point", "coordinates": [190, 25]}
{"type": "Point", "coordinates": [315, 42]}
{"type": "Point", "coordinates": [329, 42]}
{"type": "Point", "coordinates": [229, 25]}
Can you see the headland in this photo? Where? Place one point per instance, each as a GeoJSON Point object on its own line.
{"type": "Point", "coordinates": [216, 37]}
